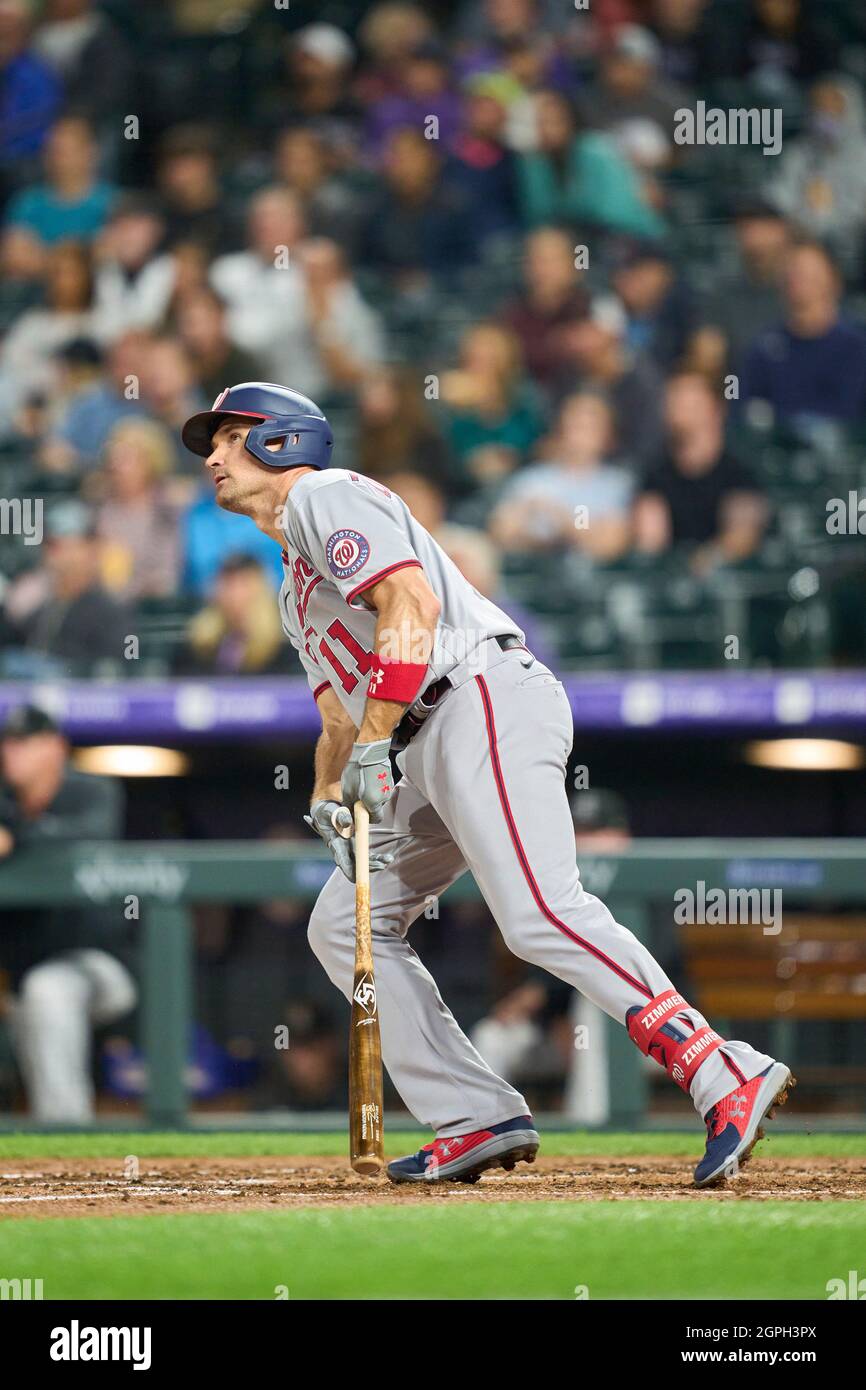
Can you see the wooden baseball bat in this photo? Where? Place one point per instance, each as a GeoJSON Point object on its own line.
{"type": "Point", "coordinates": [366, 1139]}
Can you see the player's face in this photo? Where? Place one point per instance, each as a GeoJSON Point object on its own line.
{"type": "Point", "coordinates": [236, 475]}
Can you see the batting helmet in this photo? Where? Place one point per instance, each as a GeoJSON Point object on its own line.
{"type": "Point", "coordinates": [307, 438]}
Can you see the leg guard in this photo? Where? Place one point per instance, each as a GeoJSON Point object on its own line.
{"type": "Point", "coordinates": [653, 1029]}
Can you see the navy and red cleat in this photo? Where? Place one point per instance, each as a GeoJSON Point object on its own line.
{"type": "Point", "coordinates": [734, 1123]}
{"type": "Point", "coordinates": [464, 1157]}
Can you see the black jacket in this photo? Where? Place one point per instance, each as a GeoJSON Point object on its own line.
{"type": "Point", "coordinates": [85, 808]}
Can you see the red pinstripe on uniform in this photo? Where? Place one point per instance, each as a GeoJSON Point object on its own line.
{"type": "Point", "coordinates": [530, 877]}
{"type": "Point", "coordinates": [524, 861]}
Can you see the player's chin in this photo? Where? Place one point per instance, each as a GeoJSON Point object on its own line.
{"type": "Point", "coordinates": [225, 498]}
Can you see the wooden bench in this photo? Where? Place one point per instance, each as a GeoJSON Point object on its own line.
{"type": "Point", "coordinates": [813, 969]}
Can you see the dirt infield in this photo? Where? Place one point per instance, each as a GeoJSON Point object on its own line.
{"type": "Point", "coordinates": [91, 1187]}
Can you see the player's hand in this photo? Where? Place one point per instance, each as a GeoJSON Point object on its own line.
{"type": "Point", "coordinates": [333, 823]}
{"type": "Point", "coordinates": [367, 777]}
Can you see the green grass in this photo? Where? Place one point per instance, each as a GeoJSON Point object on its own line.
{"type": "Point", "coordinates": [498, 1250]}
{"type": "Point", "coordinates": [269, 1144]}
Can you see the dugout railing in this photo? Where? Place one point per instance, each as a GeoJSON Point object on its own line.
{"type": "Point", "coordinates": [159, 883]}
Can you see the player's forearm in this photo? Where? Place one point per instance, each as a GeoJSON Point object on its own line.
{"type": "Point", "coordinates": [405, 632]}
{"type": "Point", "coordinates": [332, 752]}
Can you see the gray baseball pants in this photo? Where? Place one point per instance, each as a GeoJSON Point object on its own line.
{"type": "Point", "coordinates": [483, 788]}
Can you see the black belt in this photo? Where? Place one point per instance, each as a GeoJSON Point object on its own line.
{"type": "Point", "coordinates": [410, 723]}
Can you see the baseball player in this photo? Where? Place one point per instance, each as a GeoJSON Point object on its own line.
{"type": "Point", "coordinates": [402, 654]}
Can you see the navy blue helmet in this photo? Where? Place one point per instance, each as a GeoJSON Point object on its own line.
{"type": "Point", "coordinates": [282, 414]}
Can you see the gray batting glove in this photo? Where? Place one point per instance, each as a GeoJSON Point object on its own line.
{"type": "Point", "coordinates": [367, 777]}
{"type": "Point", "coordinates": [328, 819]}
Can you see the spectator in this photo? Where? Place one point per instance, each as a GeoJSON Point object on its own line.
{"type": "Point", "coordinates": [192, 266]}
{"type": "Point", "coordinates": [134, 284]}
{"type": "Point", "coordinates": [658, 306]}
{"type": "Point", "coordinates": [208, 534]}
{"type": "Point", "coordinates": [79, 367]}
{"type": "Point", "coordinates": [630, 381]}
{"type": "Point", "coordinates": [579, 177]}
{"type": "Point", "coordinates": [423, 496]}
{"type": "Point", "coordinates": [61, 611]}
{"type": "Point", "coordinates": [389, 32]}
{"type": "Point", "coordinates": [188, 181]}
{"type": "Point", "coordinates": [821, 181]}
{"type": "Point", "coordinates": [332, 201]}
{"type": "Point", "coordinates": [216, 361]}
{"type": "Point", "coordinates": [476, 557]}
{"type": "Point", "coordinates": [424, 91]}
{"type": "Point", "coordinates": [90, 56]}
{"type": "Point", "coordinates": [579, 498]}
{"type": "Point", "coordinates": [489, 27]}
{"type": "Point", "coordinates": [309, 1075]}
{"type": "Point", "coordinates": [239, 631]}
{"type": "Point", "coordinates": [700, 496]}
{"type": "Point", "coordinates": [480, 165]}
{"type": "Point", "coordinates": [30, 95]}
{"type": "Point", "coordinates": [312, 88]}
{"type": "Point", "coordinates": [694, 44]}
{"type": "Point", "coordinates": [66, 964]}
{"type": "Point", "coordinates": [418, 225]}
{"type": "Point", "coordinates": [135, 521]}
{"type": "Point", "coordinates": [630, 85]}
{"type": "Point", "coordinates": [553, 298]}
{"type": "Point", "coordinates": [170, 393]}
{"type": "Point", "coordinates": [261, 285]}
{"type": "Point", "coordinates": [814, 364]}
{"type": "Point", "coordinates": [785, 39]}
{"type": "Point", "coordinates": [72, 203]}
{"type": "Point", "coordinates": [747, 298]}
{"type": "Point", "coordinates": [493, 418]}
{"type": "Point", "coordinates": [334, 336]}
{"type": "Point", "coordinates": [396, 432]}
{"type": "Point", "coordinates": [520, 68]}
{"type": "Point", "coordinates": [80, 430]}
{"type": "Point", "coordinates": [68, 313]}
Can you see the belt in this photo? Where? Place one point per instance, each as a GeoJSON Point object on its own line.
{"type": "Point", "coordinates": [410, 723]}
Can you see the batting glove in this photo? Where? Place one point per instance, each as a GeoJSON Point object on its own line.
{"type": "Point", "coordinates": [328, 819]}
{"type": "Point", "coordinates": [367, 777]}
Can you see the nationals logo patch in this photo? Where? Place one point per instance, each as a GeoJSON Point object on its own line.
{"type": "Point", "coordinates": [347, 552]}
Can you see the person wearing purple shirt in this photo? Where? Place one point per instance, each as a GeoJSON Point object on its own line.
{"type": "Point", "coordinates": [813, 364]}
{"type": "Point", "coordinates": [426, 92]}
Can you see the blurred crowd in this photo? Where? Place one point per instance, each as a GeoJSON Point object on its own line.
{"type": "Point", "coordinates": [469, 233]}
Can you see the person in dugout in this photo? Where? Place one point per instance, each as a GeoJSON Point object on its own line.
{"type": "Point", "coordinates": [65, 969]}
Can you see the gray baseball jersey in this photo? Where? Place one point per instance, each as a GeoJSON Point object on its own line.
{"type": "Point", "coordinates": [344, 533]}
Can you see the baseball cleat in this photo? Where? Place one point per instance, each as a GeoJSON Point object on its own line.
{"type": "Point", "coordinates": [734, 1123]}
{"type": "Point", "coordinates": [464, 1157]}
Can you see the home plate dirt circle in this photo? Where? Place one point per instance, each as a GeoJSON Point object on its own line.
{"type": "Point", "coordinates": [99, 1187]}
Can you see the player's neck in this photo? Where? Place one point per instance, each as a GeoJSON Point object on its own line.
{"type": "Point", "coordinates": [269, 511]}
